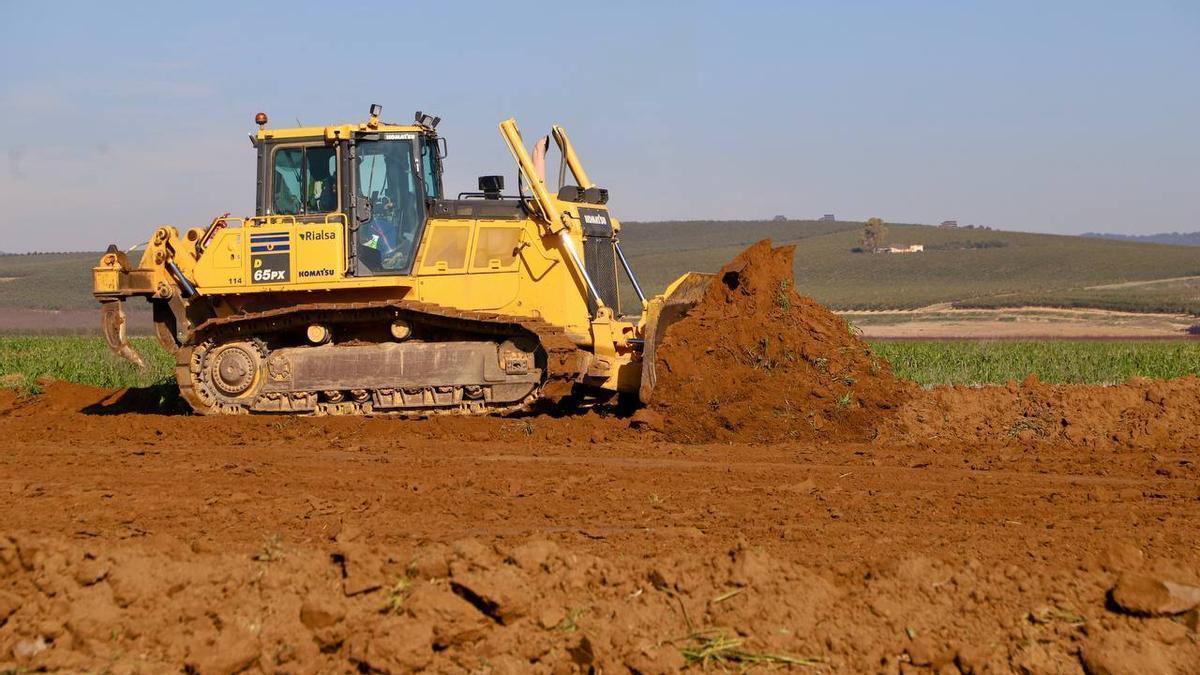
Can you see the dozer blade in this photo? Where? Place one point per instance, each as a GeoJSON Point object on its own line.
{"type": "Point", "coordinates": [112, 320]}
{"type": "Point", "coordinates": [661, 312]}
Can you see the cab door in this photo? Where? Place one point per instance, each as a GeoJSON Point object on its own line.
{"type": "Point", "coordinates": [392, 214]}
{"type": "Point", "coordinates": [300, 238]}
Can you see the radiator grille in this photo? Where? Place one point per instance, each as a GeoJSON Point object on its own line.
{"type": "Point", "coordinates": [600, 260]}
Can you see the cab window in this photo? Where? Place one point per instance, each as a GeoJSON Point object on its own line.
{"type": "Point", "coordinates": [387, 176]}
{"type": "Point", "coordinates": [305, 181]}
{"type": "Point", "coordinates": [429, 169]}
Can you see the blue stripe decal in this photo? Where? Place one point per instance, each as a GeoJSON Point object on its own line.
{"type": "Point", "coordinates": [271, 248]}
{"type": "Point", "coordinates": [270, 237]}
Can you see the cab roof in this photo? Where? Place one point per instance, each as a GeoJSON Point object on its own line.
{"type": "Point", "coordinates": [338, 131]}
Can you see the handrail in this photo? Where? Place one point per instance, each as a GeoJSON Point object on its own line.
{"type": "Point", "coordinates": [272, 219]}
{"type": "Point", "coordinates": [225, 221]}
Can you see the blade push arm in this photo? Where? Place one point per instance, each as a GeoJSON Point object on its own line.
{"type": "Point", "coordinates": [552, 216]}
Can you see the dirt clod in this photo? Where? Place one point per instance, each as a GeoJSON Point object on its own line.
{"type": "Point", "coordinates": [455, 620]}
{"type": "Point", "coordinates": [317, 613]}
{"type": "Point", "coordinates": [1124, 655]}
{"type": "Point", "coordinates": [1150, 595]}
{"type": "Point", "coordinates": [499, 594]}
{"type": "Point", "coordinates": [647, 419]}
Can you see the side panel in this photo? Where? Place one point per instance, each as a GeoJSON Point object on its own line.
{"type": "Point", "coordinates": [272, 258]}
{"type": "Point", "coordinates": [319, 253]}
{"type": "Point", "coordinates": [226, 252]}
{"type": "Point", "coordinates": [445, 247]}
{"type": "Point", "coordinates": [496, 247]}
{"type": "Point", "coordinates": [471, 291]}
{"type": "Point", "coordinates": [502, 265]}
{"type": "Point", "coordinates": [463, 263]}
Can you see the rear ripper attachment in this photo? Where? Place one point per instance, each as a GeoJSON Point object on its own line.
{"type": "Point", "coordinates": [409, 358]}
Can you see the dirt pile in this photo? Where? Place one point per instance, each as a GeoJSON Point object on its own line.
{"type": "Point", "coordinates": [538, 606]}
{"type": "Point", "coordinates": [1142, 413]}
{"type": "Point", "coordinates": [757, 361]}
{"type": "Point", "coordinates": [754, 361]}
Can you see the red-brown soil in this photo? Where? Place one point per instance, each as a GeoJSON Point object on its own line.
{"type": "Point", "coordinates": [1028, 528]}
{"type": "Point", "coordinates": [1146, 414]}
{"type": "Point", "coordinates": [755, 360]}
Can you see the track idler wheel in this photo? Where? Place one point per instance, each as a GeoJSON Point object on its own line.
{"type": "Point", "coordinates": [235, 368]}
{"type": "Point", "coordinates": [226, 378]}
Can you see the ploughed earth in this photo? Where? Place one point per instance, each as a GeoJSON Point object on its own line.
{"type": "Point", "coordinates": [783, 502]}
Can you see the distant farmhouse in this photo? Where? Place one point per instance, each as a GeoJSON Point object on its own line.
{"type": "Point", "coordinates": [828, 218]}
{"type": "Point", "coordinates": [948, 224]}
{"type": "Point", "coordinates": [911, 248]}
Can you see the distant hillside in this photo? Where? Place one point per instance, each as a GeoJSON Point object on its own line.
{"type": "Point", "coordinates": [47, 280]}
{"type": "Point", "coordinates": [966, 267]}
{"type": "Point", "coordinates": [1175, 238]}
{"type": "Point", "coordinates": [959, 265]}
{"type": "Point", "coordinates": [643, 238]}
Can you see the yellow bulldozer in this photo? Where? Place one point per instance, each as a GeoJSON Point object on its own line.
{"type": "Point", "coordinates": [360, 287]}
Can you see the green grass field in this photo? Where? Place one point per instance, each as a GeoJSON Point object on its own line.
{"type": "Point", "coordinates": [84, 360]}
{"type": "Point", "coordinates": [1083, 362]}
{"type": "Point", "coordinates": [87, 361]}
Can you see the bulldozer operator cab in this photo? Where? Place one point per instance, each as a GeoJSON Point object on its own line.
{"type": "Point", "coordinates": [372, 181]}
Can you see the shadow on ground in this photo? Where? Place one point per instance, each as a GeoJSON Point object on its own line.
{"type": "Point", "coordinates": [157, 399]}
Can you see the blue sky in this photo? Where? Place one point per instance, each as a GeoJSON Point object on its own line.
{"type": "Point", "coordinates": [1053, 117]}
